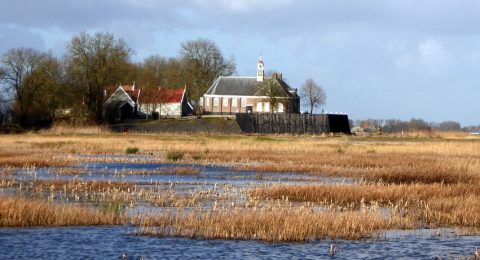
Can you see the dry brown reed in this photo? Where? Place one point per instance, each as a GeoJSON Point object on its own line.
{"type": "Point", "coordinates": [431, 204]}
{"type": "Point", "coordinates": [181, 170]}
{"type": "Point", "coordinates": [274, 224]}
{"type": "Point", "coordinates": [104, 192]}
{"type": "Point", "coordinates": [20, 212]}
{"type": "Point", "coordinates": [381, 193]}
{"type": "Point", "coordinates": [401, 168]}
{"type": "Point", "coordinates": [75, 186]}
{"type": "Point", "coordinates": [70, 129]}
{"type": "Point", "coordinates": [427, 179]}
{"type": "Point", "coordinates": [25, 159]}
{"type": "Point", "coordinates": [166, 171]}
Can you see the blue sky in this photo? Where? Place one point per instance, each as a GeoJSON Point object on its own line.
{"type": "Point", "coordinates": [385, 59]}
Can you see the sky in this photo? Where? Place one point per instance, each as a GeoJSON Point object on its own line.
{"type": "Point", "coordinates": [388, 59]}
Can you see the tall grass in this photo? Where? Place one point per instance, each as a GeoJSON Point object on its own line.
{"type": "Point", "coordinates": [276, 224]}
{"type": "Point", "coordinates": [431, 204]}
{"type": "Point", "coordinates": [401, 182]}
{"type": "Point", "coordinates": [71, 129]}
{"type": "Point", "coordinates": [20, 212]}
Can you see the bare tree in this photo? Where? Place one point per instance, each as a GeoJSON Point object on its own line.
{"type": "Point", "coordinates": [203, 62]}
{"type": "Point", "coordinates": [313, 93]}
{"type": "Point", "coordinates": [274, 94]}
{"type": "Point", "coordinates": [151, 72]}
{"type": "Point", "coordinates": [95, 62]}
{"type": "Point", "coordinates": [30, 79]}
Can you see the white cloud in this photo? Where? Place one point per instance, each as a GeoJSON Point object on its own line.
{"type": "Point", "coordinates": [241, 6]}
{"type": "Point", "coordinates": [432, 52]}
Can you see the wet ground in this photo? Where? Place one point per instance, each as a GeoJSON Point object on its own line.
{"type": "Point", "coordinates": [113, 242]}
{"type": "Point", "coordinates": [208, 175]}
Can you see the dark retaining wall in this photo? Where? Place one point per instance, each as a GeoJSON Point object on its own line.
{"type": "Point", "coordinates": [292, 123]}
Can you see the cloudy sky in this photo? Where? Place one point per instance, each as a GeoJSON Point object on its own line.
{"type": "Point", "coordinates": [385, 59]}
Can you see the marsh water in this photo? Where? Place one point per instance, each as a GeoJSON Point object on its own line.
{"type": "Point", "coordinates": [111, 242]}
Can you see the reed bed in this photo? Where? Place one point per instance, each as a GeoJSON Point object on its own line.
{"type": "Point", "coordinates": [181, 170]}
{"type": "Point", "coordinates": [274, 224]}
{"type": "Point", "coordinates": [122, 193]}
{"type": "Point", "coordinates": [386, 194]}
{"type": "Point", "coordinates": [165, 171]}
{"type": "Point", "coordinates": [432, 205]}
{"type": "Point", "coordinates": [76, 130]}
{"type": "Point", "coordinates": [427, 180]}
{"type": "Point", "coordinates": [21, 212]}
{"type": "Point", "coordinates": [75, 186]}
{"type": "Point", "coordinates": [404, 168]}
{"type": "Point", "coordinates": [24, 159]}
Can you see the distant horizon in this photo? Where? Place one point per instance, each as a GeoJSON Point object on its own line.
{"type": "Point", "coordinates": [388, 59]}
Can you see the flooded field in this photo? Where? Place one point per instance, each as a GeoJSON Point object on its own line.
{"type": "Point", "coordinates": [68, 197]}
{"type": "Point", "coordinates": [113, 242]}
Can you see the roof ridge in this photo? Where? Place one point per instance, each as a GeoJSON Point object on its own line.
{"type": "Point", "coordinates": [237, 77]}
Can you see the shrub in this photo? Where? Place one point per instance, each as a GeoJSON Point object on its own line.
{"type": "Point", "coordinates": [175, 155]}
{"type": "Point", "coordinates": [198, 156]}
{"type": "Point", "coordinates": [132, 150]}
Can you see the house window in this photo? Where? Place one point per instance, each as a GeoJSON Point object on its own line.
{"type": "Point", "coordinates": [234, 102]}
{"type": "Point", "coordinates": [259, 107]}
{"type": "Point", "coordinates": [243, 102]}
{"type": "Point", "coordinates": [215, 102]}
{"type": "Point", "coordinates": [225, 102]}
{"type": "Point", "coordinates": [267, 107]}
{"type": "Point", "coordinates": [207, 103]}
{"type": "Point", "coordinates": [280, 108]}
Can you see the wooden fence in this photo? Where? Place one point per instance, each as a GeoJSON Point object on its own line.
{"type": "Point", "coordinates": [292, 123]}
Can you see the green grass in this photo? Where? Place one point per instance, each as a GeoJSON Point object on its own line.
{"type": "Point", "coordinates": [266, 139]}
{"type": "Point", "coordinates": [198, 156]}
{"type": "Point", "coordinates": [175, 155]}
{"type": "Point", "coordinates": [131, 150]}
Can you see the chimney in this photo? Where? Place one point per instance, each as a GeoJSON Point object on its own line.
{"type": "Point", "coordinates": [279, 75]}
{"type": "Point", "coordinates": [274, 75]}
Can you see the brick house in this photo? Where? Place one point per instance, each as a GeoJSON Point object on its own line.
{"type": "Point", "coordinates": [232, 94]}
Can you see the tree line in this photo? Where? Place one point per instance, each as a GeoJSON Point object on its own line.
{"type": "Point", "coordinates": [35, 84]}
{"type": "Point", "coordinates": [414, 124]}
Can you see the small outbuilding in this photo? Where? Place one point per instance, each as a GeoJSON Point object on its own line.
{"type": "Point", "coordinates": [121, 104]}
{"type": "Point", "coordinates": [161, 102]}
{"type": "Point", "coordinates": [147, 103]}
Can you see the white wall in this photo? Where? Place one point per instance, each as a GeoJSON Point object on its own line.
{"type": "Point", "coordinates": [165, 110]}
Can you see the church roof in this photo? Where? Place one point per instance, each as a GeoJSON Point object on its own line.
{"type": "Point", "coordinates": [235, 86]}
{"type": "Point", "coordinates": [242, 86]}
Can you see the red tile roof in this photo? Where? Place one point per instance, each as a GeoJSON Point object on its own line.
{"type": "Point", "coordinates": [161, 95]}
{"type": "Point", "coordinates": [128, 88]}
{"type": "Point", "coordinates": [132, 91]}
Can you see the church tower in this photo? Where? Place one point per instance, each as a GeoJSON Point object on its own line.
{"type": "Point", "coordinates": [260, 69]}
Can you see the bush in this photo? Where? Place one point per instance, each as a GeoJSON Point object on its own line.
{"type": "Point", "coordinates": [198, 156]}
{"type": "Point", "coordinates": [175, 155]}
{"type": "Point", "coordinates": [132, 150]}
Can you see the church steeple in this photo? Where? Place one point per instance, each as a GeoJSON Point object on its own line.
{"type": "Point", "coordinates": [260, 69]}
